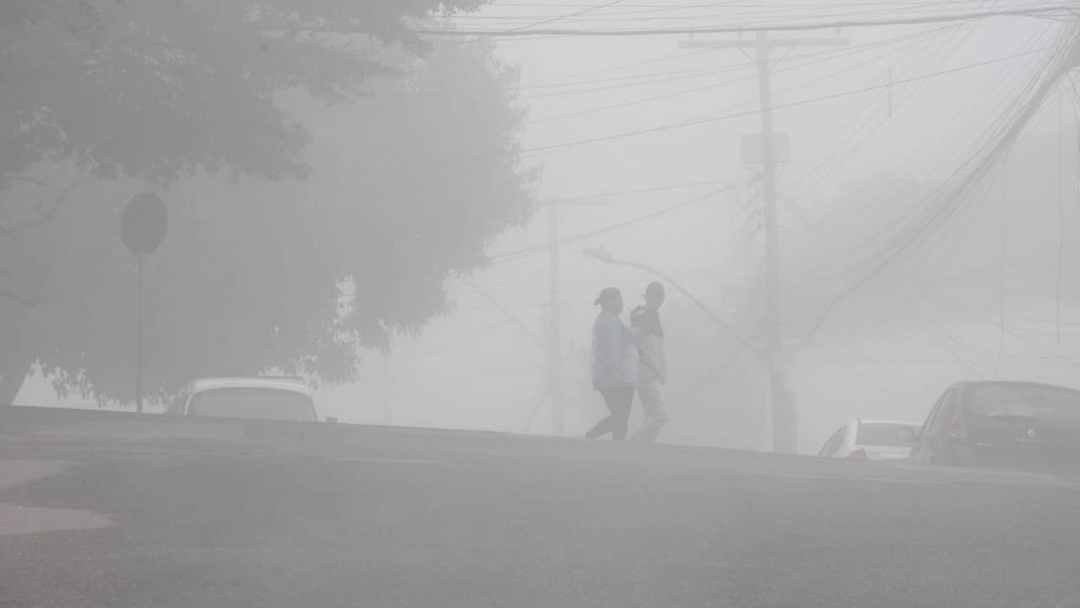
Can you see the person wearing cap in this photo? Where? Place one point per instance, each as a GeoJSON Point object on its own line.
{"type": "Point", "coordinates": [614, 365]}
{"type": "Point", "coordinates": [649, 338]}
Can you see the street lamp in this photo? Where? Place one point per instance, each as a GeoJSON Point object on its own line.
{"type": "Point", "coordinates": [609, 258]}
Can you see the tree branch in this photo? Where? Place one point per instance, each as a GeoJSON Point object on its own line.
{"type": "Point", "coordinates": [24, 297]}
{"type": "Point", "coordinates": [33, 180]}
{"type": "Point", "coordinates": [20, 298]}
{"type": "Point", "coordinates": [49, 214]}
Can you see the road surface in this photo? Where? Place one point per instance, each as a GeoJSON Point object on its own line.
{"type": "Point", "coordinates": [129, 511]}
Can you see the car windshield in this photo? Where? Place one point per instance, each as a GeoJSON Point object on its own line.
{"type": "Point", "coordinates": [881, 434]}
{"type": "Point", "coordinates": [1024, 402]}
{"type": "Point", "coordinates": [254, 403]}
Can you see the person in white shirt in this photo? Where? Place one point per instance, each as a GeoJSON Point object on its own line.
{"type": "Point", "coordinates": [653, 372]}
{"type": "Point", "coordinates": [614, 366]}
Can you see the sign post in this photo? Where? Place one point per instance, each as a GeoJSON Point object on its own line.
{"type": "Point", "coordinates": [143, 226]}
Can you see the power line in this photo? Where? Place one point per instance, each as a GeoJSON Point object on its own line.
{"type": "Point", "coordinates": [759, 15]}
{"type": "Point", "coordinates": [819, 57]}
{"type": "Point", "coordinates": [635, 64]}
{"type": "Point", "coordinates": [515, 255]}
{"type": "Point", "coordinates": [580, 83]}
{"type": "Point", "coordinates": [929, 162]}
{"type": "Point", "coordinates": [910, 219]}
{"type": "Point", "coordinates": [865, 129]}
{"type": "Point", "coordinates": [819, 172]}
{"type": "Point", "coordinates": [648, 190]}
{"type": "Point", "coordinates": [847, 118]}
{"type": "Point", "coordinates": [872, 382]}
{"type": "Point", "coordinates": [534, 250]}
{"type": "Point", "coordinates": [954, 354]}
{"type": "Point", "coordinates": [537, 340]}
{"type": "Point", "coordinates": [729, 5]}
{"type": "Point", "coordinates": [932, 217]}
{"type": "Point", "coordinates": [579, 13]}
{"type": "Point", "coordinates": [1020, 336]}
{"type": "Point", "coordinates": [713, 118]}
{"type": "Point", "coordinates": [576, 79]}
{"type": "Point", "coordinates": [1051, 12]}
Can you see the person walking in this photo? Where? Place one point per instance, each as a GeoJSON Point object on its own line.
{"type": "Point", "coordinates": [649, 337]}
{"type": "Point", "coordinates": [614, 365]}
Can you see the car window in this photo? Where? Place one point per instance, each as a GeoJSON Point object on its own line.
{"type": "Point", "coordinates": [1020, 401]}
{"type": "Point", "coordinates": [928, 425]}
{"type": "Point", "coordinates": [834, 442]}
{"type": "Point", "coordinates": [253, 403]}
{"type": "Point", "coordinates": [880, 434]}
{"type": "Point", "coordinates": [934, 422]}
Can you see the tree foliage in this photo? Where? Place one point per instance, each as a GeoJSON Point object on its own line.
{"type": "Point", "coordinates": [376, 200]}
{"type": "Point", "coordinates": [155, 88]}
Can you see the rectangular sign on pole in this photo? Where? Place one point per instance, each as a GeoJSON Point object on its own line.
{"type": "Point", "coordinates": [753, 151]}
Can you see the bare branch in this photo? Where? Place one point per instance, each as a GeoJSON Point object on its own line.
{"type": "Point", "coordinates": [23, 296]}
{"type": "Point", "coordinates": [48, 214]}
{"type": "Point", "coordinates": [22, 299]}
{"type": "Point", "coordinates": [32, 180]}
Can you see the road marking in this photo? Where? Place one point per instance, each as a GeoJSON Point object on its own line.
{"type": "Point", "coordinates": [394, 461]}
{"type": "Point", "coordinates": [858, 479]}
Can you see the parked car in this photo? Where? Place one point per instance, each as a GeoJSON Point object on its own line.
{"type": "Point", "coordinates": [1003, 425]}
{"type": "Point", "coordinates": [257, 398]}
{"type": "Point", "coordinates": [877, 440]}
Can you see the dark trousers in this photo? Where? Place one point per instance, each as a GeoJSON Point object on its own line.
{"type": "Point", "coordinates": [619, 401]}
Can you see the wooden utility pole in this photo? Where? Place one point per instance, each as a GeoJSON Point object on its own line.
{"type": "Point", "coordinates": [386, 390]}
{"type": "Point", "coordinates": [782, 406]}
{"type": "Point", "coordinates": [555, 359]}
{"type": "Point", "coordinates": [555, 362]}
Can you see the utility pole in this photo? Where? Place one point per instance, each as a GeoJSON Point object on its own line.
{"type": "Point", "coordinates": [781, 402]}
{"type": "Point", "coordinates": [139, 335]}
{"type": "Point", "coordinates": [555, 360]}
{"type": "Point", "coordinates": [386, 390]}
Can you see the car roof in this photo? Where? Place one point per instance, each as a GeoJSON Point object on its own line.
{"type": "Point", "coordinates": [295, 385]}
{"type": "Point", "coordinates": [966, 383]}
{"type": "Point", "coordinates": [900, 422]}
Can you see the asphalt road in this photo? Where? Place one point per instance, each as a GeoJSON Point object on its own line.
{"type": "Point", "coordinates": [120, 512]}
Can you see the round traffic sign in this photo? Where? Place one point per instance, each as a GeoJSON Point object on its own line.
{"type": "Point", "coordinates": [144, 223]}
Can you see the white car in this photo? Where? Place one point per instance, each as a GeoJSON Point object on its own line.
{"type": "Point", "coordinates": [877, 440]}
{"type": "Point", "coordinates": [256, 398]}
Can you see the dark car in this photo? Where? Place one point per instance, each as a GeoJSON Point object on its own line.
{"type": "Point", "coordinates": [1003, 425]}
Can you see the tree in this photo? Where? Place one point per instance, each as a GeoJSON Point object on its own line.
{"type": "Point", "coordinates": [403, 187]}
{"type": "Point", "coordinates": [156, 88]}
